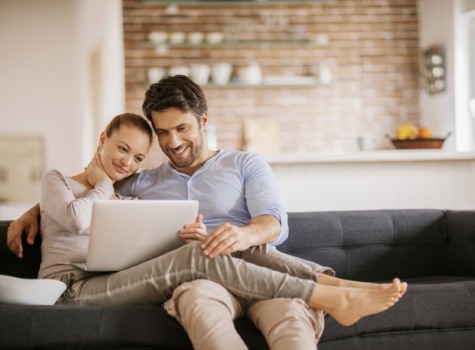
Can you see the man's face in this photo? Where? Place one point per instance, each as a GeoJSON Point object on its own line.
{"type": "Point", "coordinates": [181, 138]}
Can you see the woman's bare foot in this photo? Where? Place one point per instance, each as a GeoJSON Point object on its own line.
{"type": "Point", "coordinates": [348, 305]}
{"type": "Point", "coordinates": [338, 282]}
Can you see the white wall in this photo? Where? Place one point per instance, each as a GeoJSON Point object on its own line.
{"type": "Point", "coordinates": [437, 28]}
{"type": "Point", "coordinates": [100, 66]}
{"type": "Point", "coordinates": [447, 23]}
{"type": "Point", "coordinates": [45, 63]}
{"type": "Point", "coordinates": [464, 71]}
{"type": "Point", "coordinates": [38, 88]}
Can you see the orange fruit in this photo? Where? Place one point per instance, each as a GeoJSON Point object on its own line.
{"type": "Point", "coordinates": [424, 133]}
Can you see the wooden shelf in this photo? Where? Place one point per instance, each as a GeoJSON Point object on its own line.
{"type": "Point", "coordinates": [227, 2]}
{"type": "Point", "coordinates": [273, 85]}
{"type": "Point", "coordinates": [228, 44]}
{"type": "Point", "coordinates": [262, 85]}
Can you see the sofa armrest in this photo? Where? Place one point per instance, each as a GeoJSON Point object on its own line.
{"type": "Point", "coordinates": [28, 266]}
{"type": "Point", "coordinates": [461, 252]}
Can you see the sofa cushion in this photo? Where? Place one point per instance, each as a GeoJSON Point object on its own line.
{"type": "Point", "coordinates": [425, 306]}
{"type": "Point", "coordinates": [92, 327]}
{"type": "Point", "coordinates": [433, 339]}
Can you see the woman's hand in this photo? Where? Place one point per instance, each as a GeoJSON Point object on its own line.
{"type": "Point", "coordinates": [95, 172]}
{"type": "Point", "coordinates": [194, 232]}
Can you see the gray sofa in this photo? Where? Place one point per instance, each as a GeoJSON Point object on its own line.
{"type": "Point", "coordinates": [433, 250]}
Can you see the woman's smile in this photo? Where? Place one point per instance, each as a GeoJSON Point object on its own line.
{"type": "Point", "coordinates": [120, 169]}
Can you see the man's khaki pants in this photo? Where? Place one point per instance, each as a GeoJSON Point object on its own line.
{"type": "Point", "coordinates": [207, 311]}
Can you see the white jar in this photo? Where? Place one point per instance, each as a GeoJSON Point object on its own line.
{"type": "Point", "coordinates": [199, 73]}
{"type": "Point", "coordinates": [251, 74]}
{"type": "Point", "coordinates": [221, 73]}
{"type": "Point", "coordinates": [154, 74]}
{"type": "Point", "coordinates": [179, 70]}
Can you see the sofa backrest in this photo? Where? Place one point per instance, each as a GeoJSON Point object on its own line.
{"type": "Point", "coordinates": [371, 245]}
{"type": "Point", "coordinates": [461, 228]}
{"type": "Point", "coordinates": [362, 245]}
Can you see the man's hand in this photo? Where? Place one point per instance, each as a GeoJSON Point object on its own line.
{"type": "Point", "coordinates": [28, 223]}
{"type": "Point", "coordinates": [194, 232]}
{"type": "Point", "coordinates": [226, 239]}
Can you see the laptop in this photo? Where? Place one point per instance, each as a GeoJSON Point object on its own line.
{"type": "Point", "coordinates": [124, 233]}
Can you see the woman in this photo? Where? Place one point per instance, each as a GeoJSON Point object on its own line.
{"type": "Point", "coordinates": [66, 202]}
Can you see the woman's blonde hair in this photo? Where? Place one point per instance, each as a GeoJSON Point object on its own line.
{"type": "Point", "coordinates": [129, 119]}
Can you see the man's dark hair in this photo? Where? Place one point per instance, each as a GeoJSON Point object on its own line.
{"type": "Point", "coordinates": [176, 91]}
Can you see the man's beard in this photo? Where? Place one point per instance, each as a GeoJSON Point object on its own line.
{"type": "Point", "coordinates": [195, 151]}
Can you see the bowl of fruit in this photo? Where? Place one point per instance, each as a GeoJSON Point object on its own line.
{"type": "Point", "coordinates": [409, 136]}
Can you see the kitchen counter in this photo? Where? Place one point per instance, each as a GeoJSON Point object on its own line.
{"type": "Point", "coordinates": [383, 179]}
{"type": "Point", "coordinates": [370, 156]}
{"type": "Point", "coordinates": [13, 210]}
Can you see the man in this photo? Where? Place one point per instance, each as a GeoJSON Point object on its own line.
{"type": "Point", "coordinates": [240, 208]}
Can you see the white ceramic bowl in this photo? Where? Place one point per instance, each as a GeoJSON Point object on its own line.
{"type": "Point", "coordinates": [175, 70]}
{"type": "Point", "coordinates": [158, 37]}
{"type": "Point", "coordinates": [196, 37]}
{"type": "Point", "coordinates": [25, 291]}
{"type": "Point", "coordinates": [177, 38]}
{"type": "Point", "coordinates": [214, 37]}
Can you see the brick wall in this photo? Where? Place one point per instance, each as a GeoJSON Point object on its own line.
{"type": "Point", "coordinates": [370, 46]}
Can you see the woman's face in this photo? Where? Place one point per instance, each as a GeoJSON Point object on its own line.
{"type": "Point", "coordinates": [123, 152]}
